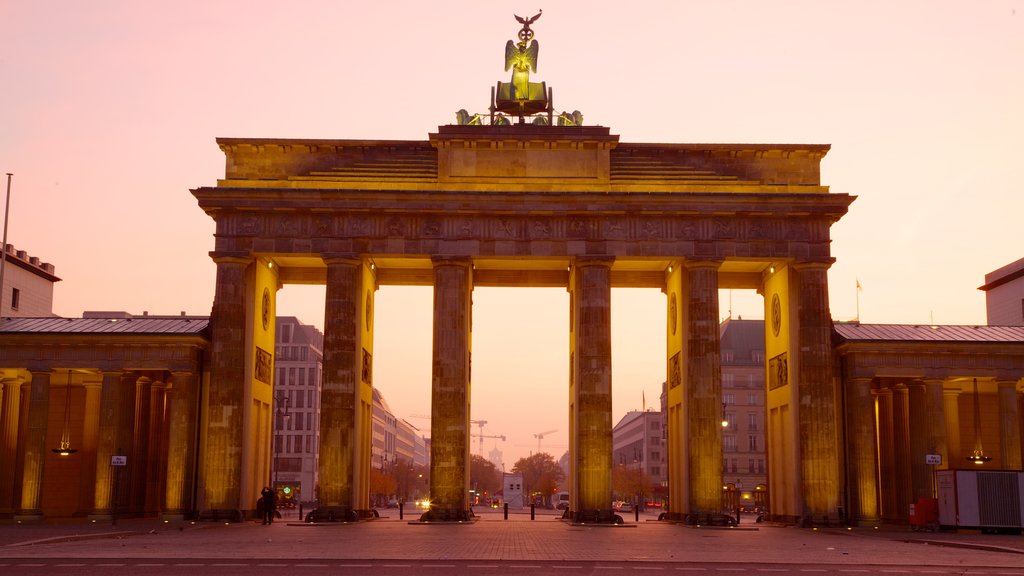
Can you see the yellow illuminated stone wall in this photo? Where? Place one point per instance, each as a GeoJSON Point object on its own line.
{"type": "Point", "coordinates": [780, 377]}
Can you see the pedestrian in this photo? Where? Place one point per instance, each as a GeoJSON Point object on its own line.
{"type": "Point", "coordinates": [269, 500]}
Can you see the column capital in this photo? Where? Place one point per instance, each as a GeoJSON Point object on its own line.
{"type": "Point", "coordinates": [596, 260]}
{"type": "Point", "coordinates": [813, 264]}
{"type": "Point", "coordinates": [461, 261]}
{"type": "Point", "coordinates": [702, 264]}
{"type": "Point", "coordinates": [341, 258]}
{"type": "Point", "coordinates": [242, 258]}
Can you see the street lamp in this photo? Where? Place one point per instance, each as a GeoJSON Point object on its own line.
{"type": "Point", "coordinates": [282, 416]}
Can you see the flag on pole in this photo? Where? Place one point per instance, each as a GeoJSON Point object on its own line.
{"type": "Point", "coordinates": [643, 400]}
{"type": "Point", "coordinates": [858, 284]}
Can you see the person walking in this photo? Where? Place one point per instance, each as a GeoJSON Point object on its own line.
{"type": "Point", "coordinates": [269, 500]}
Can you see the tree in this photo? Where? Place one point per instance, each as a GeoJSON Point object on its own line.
{"type": "Point", "coordinates": [412, 481]}
{"type": "Point", "coordinates": [483, 475]}
{"type": "Point", "coordinates": [541, 476]}
{"type": "Point", "coordinates": [630, 481]}
{"type": "Point", "coordinates": [382, 484]}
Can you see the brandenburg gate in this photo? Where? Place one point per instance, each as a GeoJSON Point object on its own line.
{"type": "Point", "coordinates": [498, 200]}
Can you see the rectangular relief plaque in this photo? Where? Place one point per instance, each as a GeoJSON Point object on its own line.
{"type": "Point", "coordinates": [778, 372]}
{"type": "Point", "coordinates": [264, 366]}
{"type": "Point", "coordinates": [675, 377]}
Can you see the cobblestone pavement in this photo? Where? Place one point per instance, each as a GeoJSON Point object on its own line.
{"type": "Point", "coordinates": [519, 538]}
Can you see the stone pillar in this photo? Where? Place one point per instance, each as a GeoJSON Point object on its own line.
{"type": "Point", "coordinates": [951, 402]}
{"type": "Point", "coordinates": [592, 379]}
{"type": "Point", "coordinates": [450, 390]}
{"type": "Point", "coordinates": [155, 442]}
{"type": "Point", "coordinates": [35, 446]}
{"type": "Point", "coordinates": [703, 388]}
{"type": "Point", "coordinates": [863, 470]}
{"type": "Point", "coordinates": [339, 462]}
{"type": "Point", "coordinates": [1009, 425]}
{"type": "Point", "coordinates": [181, 446]}
{"type": "Point", "coordinates": [138, 461]}
{"type": "Point", "coordinates": [114, 439]}
{"type": "Point", "coordinates": [222, 462]}
{"type": "Point", "coordinates": [90, 440]}
{"type": "Point", "coordinates": [886, 453]}
{"type": "Point", "coordinates": [901, 450]}
{"type": "Point", "coordinates": [919, 435]}
{"type": "Point", "coordinates": [819, 447]}
{"type": "Point", "coordinates": [9, 421]}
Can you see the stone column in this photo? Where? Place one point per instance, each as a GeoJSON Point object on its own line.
{"type": "Point", "coordinates": [703, 388]}
{"type": "Point", "coordinates": [114, 439]}
{"type": "Point", "coordinates": [222, 462]}
{"type": "Point", "coordinates": [860, 415]}
{"type": "Point", "coordinates": [951, 402]}
{"type": "Point", "coordinates": [901, 450]}
{"type": "Point", "coordinates": [181, 435]}
{"type": "Point", "coordinates": [90, 440]}
{"type": "Point", "coordinates": [339, 389]}
{"type": "Point", "coordinates": [1009, 425]}
{"type": "Point", "coordinates": [450, 390]}
{"type": "Point", "coordinates": [919, 427]}
{"type": "Point", "coordinates": [35, 446]}
{"type": "Point", "coordinates": [886, 453]}
{"type": "Point", "coordinates": [154, 455]}
{"type": "Point", "coordinates": [9, 421]}
{"type": "Point", "coordinates": [138, 461]}
{"type": "Point", "coordinates": [592, 382]}
{"type": "Point", "coordinates": [819, 447]}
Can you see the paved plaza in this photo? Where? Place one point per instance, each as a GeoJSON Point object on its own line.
{"type": "Point", "coordinates": [492, 539]}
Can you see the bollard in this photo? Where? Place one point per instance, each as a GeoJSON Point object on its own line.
{"type": "Point", "coordinates": [301, 517]}
{"type": "Point", "coordinates": [401, 510]}
{"type": "Point", "coordinates": [506, 510]}
{"type": "Point", "coordinates": [636, 514]}
{"type": "Point", "coordinates": [532, 511]}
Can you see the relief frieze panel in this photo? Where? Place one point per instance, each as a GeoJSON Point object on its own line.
{"type": "Point", "coordinates": [752, 236]}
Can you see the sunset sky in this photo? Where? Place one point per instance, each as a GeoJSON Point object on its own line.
{"type": "Point", "coordinates": [110, 111]}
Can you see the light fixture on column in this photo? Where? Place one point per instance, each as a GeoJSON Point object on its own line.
{"type": "Point", "coordinates": [65, 448]}
{"type": "Point", "coordinates": [978, 455]}
{"type": "Point", "coordinates": [725, 421]}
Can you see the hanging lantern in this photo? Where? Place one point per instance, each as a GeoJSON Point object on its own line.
{"type": "Point", "coordinates": [65, 448]}
{"type": "Point", "coordinates": [978, 454]}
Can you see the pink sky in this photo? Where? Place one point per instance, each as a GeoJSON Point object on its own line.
{"type": "Point", "coordinates": [110, 111]}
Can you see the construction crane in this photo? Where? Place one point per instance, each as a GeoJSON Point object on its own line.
{"type": "Point", "coordinates": [480, 423]}
{"type": "Point", "coordinates": [540, 436]}
{"type": "Point", "coordinates": [481, 436]}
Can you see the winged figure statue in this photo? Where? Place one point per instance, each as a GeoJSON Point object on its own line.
{"type": "Point", "coordinates": [522, 60]}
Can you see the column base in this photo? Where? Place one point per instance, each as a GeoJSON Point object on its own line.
{"type": "Point", "coordinates": [31, 518]}
{"type": "Point", "coordinates": [452, 515]}
{"type": "Point", "coordinates": [221, 515]}
{"type": "Point", "coordinates": [605, 516]}
{"type": "Point", "coordinates": [336, 514]}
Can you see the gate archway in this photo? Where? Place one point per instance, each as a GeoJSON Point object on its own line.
{"type": "Point", "coordinates": [523, 205]}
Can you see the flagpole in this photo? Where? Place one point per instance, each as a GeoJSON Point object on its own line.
{"type": "Point", "coordinates": [858, 300]}
{"type": "Point", "coordinates": [3, 247]}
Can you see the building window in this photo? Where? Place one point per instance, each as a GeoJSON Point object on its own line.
{"type": "Point", "coordinates": [726, 379]}
{"type": "Point", "coordinates": [753, 443]}
{"type": "Point", "coordinates": [733, 463]}
{"type": "Point", "coordinates": [758, 356]}
{"type": "Point", "coordinates": [15, 298]}
{"type": "Point", "coordinates": [726, 356]}
{"type": "Point", "coordinates": [750, 465]}
{"type": "Point", "coordinates": [754, 399]}
{"type": "Point", "coordinates": [729, 443]}
{"type": "Point", "coordinates": [752, 422]}
{"type": "Point", "coordinates": [656, 470]}
{"type": "Point", "coordinates": [655, 425]}
{"type": "Point", "coordinates": [728, 399]}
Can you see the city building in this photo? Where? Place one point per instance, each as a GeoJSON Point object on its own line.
{"type": "Point", "coordinates": [743, 438]}
{"type": "Point", "coordinates": [27, 285]}
{"type": "Point", "coordinates": [296, 431]}
{"type": "Point", "coordinates": [1004, 295]}
{"type": "Point", "coordinates": [638, 444]}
